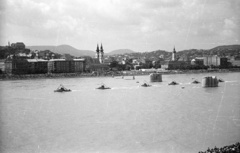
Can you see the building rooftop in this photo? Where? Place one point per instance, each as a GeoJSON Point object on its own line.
{"type": "Point", "coordinates": [36, 60]}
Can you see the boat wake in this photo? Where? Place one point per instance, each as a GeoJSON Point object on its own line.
{"type": "Point", "coordinates": [119, 88]}
{"type": "Point", "coordinates": [230, 81]}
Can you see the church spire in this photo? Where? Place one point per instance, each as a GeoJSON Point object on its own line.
{"type": "Point", "coordinates": [97, 52]}
{"type": "Point", "coordinates": [174, 54]}
{"type": "Point", "coordinates": [97, 48]}
{"type": "Point", "coordinates": [101, 48]}
{"type": "Point", "coordinates": [174, 51]}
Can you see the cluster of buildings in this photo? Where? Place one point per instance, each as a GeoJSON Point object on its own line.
{"type": "Point", "coordinates": [47, 63]}
{"type": "Point", "coordinates": [184, 62]}
{"type": "Point", "coordinates": [41, 66]}
{"type": "Point", "coordinates": [24, 65]}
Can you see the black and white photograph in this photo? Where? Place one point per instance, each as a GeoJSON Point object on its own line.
{"type": "Point", "coordinates": [120, 76]}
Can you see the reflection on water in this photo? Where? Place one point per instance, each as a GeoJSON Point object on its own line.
{"type": "Point", "coordinates": [127, 118]}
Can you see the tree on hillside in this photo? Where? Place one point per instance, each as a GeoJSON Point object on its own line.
{"type": "Point", "coordinates": [114, 64]}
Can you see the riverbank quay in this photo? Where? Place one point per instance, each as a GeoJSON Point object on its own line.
{"type": "Point", "coordinates": [53, 76]}
{"type": "Point", "coordinates": [42, 76]}
{"type": "Point", "coordinates": [109, 74]}
{"type": "Point", "coordinates": [166, 72]}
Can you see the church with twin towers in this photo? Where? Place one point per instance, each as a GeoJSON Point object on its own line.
{"type": "Point", "coordinates": [100, 54]}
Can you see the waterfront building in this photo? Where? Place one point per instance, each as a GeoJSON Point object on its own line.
{"type": "Point", "coordinates": [224, 62]}
{"type": "Point", "coordinates": [79, 65]}
{"type": "Point", "coordinates": [2, 65]}
{"type": "Point", "coordinates": [97, 64]}
{"type": "Point", "coordinates": [213, 60]}
{"type": "Point", "coordinates": [25, 66]}
{"type": "Point", "coordinates": [173, 65]}
{"type": "Point", "coordinates": [16, 66]}
{"type": "Point", "coordinates": [41, 66]}
{"type": "Point", "coordinates": [60, 66]}
{"type": "Point", "coordinates": [37, 66]}
{"type": "Point", "coordinates": [197, 61]}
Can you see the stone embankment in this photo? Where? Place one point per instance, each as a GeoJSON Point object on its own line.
{"type": "Point", "coordinates": [108, 74]}
{"type": "Point", "coordinates": [39, 76]}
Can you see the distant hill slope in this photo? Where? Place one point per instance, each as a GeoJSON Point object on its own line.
{"type": "Point", "coordinates": [120, 51]}
{"type": "Point", "coordinates": [219, 50]}
{"type": "Point", "coordinates": [64, 49]}
{"type": "Point", "coordinates": [229, 50]}
{"type": "Point", "coordinates": [226, 47]}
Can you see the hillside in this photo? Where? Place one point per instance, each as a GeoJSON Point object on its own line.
{"type": "Point", "coordinates": [229, 50]}
{"type": "Point", "coordinates": [120, 51]}
{"type": "Point", "coordinates": [63, 49]}
{"type": "Point", "coordinates": [226, 47]}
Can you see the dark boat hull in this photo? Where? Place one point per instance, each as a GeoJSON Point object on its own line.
{"type": "Point", "coordinates": [103, 88]}
{"type": "Point", "coordinates": [173, 83]}
{"type": "Point", "coordinates": [68, 90]}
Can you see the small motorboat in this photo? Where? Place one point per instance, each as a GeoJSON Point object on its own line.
{"type": "Point", "coordinates": [195, 82]}
{"type": "Point", "coordinates": [102, 87]}
{"type": "Point", "coordinates": [173, 83]}
{"type": "Point", "coordinates": [62, 90]}
{"type": "Point", "coordinates": [220, 80]}
{"type": "Point", "coordinates": [146, 85]}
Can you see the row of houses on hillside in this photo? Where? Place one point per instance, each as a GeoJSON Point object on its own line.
{"type": "Point", "coordinates": [182, 62]}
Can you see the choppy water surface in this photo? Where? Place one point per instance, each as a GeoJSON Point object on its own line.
{"type": "Point", "coordinates": [127, 118]}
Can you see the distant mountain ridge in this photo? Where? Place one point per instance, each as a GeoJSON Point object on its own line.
{"type": "Point", "coordinates": [228, 47]}
{"type": "Point", "coordinates": [120, 51]}
{"type": "Point", "coordinates": [219, 50]}
{"type": "Point", "coordinates": [227, 50]}
{"type": "Point", "coordinates": [67, 49]}
{"type": "Point", "coordinates": [64, 49]}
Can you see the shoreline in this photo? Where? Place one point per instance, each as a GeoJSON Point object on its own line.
{"type": "Point", "coordinates": [5, 77]}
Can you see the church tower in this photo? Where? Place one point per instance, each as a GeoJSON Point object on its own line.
{"type": "Point", "coordinates": [174, 54]}
{"type": "Point", "coordinates": [101, 54]}
{"type": "Point", "coordinates": [97, 52]}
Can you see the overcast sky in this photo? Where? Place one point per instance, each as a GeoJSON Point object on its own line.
{"type": "Point", "coordinates": [140, 25]}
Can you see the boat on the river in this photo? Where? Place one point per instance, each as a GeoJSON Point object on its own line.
{"type": "Point", "coordinates": [195, 82]}
{"type": "Point", "coordinates": [61, 88]}
{"type": "Point", "coordinates": [146, 85]}
{"type": "Point", "coordinates": [173, 83]}
{"type": "Point", "coordinates": [102, 87]}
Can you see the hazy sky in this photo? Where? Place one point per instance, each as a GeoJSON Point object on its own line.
{"type": "Point", "coordinates": [140, 25]}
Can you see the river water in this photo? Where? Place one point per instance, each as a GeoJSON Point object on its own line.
{"type": "Point", "coordinates": [128, 118]}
